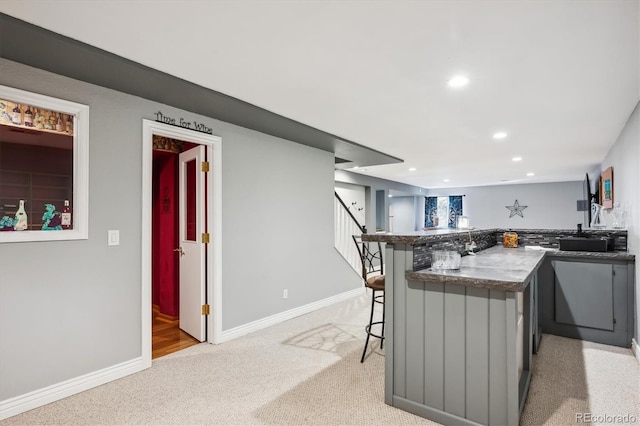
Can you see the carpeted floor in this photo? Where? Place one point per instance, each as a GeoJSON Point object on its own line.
{"type": "Point", "coordinates": [306, 371]}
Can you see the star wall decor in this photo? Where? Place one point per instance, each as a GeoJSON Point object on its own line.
{"type": "Point", "coordinates": [516, 209]}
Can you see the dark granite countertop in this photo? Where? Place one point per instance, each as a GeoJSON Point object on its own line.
{"type": "Point", "coordinates": [495, 268]}
{"type": "Point", "coordinates": [507, 269]}
{"type": "Point", "coordinates": [531, 237]}
{"type": "Point", "coordinates": [609, 255]}
{"type": "Point", "coordinates": [420, 237]}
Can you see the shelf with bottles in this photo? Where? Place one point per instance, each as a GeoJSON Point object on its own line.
{"type": "Point", "coordinates": [45, 161]}
{"type": "Point", "coordinates": [34, 191]}
{"type": "Point", "coordinates": [9, 206]}
{"type": "Point", "coordinates": [25, 215]}
{"type": "Point", "coordinates": [32, 118]}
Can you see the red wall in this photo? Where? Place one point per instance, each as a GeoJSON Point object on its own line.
{"type": "Point", "coordinates": [165, 264]}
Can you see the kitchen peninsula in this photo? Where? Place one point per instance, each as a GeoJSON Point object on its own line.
{"type": "Point", "coordinates": [460, 343]}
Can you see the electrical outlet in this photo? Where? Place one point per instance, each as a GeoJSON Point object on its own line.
{"type": "Point", "coordinates": [285, 293]}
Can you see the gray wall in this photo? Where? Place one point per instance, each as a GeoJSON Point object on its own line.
{"type": "Point", "coordinates": [403, 210]}
{"type": "Point", "coordinates": [624, 157]}
{"type": "Point", "coordinates": [277, 226]}
{"type": "Point", "coordinates": [549, 205]}
{"type": "Point", "coordinates": [378, 213]}
{"type": "Point", "coordinates": [71, 308]}
{"type": "Point", "coordinates": [377, 183]}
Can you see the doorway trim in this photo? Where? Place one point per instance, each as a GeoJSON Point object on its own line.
{"type": "Point", "coordinates": [214, 219]}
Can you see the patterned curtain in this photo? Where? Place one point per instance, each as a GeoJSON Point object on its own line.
{"type": "Point", "coordinates": [455, 209]}
{"type": "Point", "coordinates": [449, 214]}
{"type": "Point", "coordinates": [431, 212]}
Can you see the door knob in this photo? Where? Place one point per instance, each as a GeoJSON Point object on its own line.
{"type": "Point", "coordinates": [179, 250]}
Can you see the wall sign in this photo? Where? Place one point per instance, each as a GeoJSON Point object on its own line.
{"type": "Point", "coordinates": [181, 122]}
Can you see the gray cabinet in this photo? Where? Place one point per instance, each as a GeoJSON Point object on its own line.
{"type": "Point", "coordinates": [589, 300]}
{"type": "Point", "coordinates": [584, 294]}
{"type": "Point", "coordinates": [456, 354]}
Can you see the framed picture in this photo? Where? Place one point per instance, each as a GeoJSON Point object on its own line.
{"type": "Point", "coordinates": [606, 188]}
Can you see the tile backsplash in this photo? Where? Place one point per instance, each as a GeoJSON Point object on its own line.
{"type": "Point", "coordinates": [422, 252]}
{"type": "Point", "coordinates": [488, 238]}
{"type": "Point", "coordinates": [549, 238]}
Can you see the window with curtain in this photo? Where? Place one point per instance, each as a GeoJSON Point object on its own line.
{"type": "Point", "coordinates": [442, 212]}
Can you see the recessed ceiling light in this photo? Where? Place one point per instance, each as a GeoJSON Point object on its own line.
{"type": "Point", "coordinates": [446, 180]}
{"type": "Point", "coordinates": [412, 169]}
{"type": "Point", "coordinates": [390, 196]}
{"type": "Point", "coordinates": [530, 174]}
{"type": "Point", "coordinates": [499, 135]}
{"type": "Point", "coordinates": [458, 81]}
{"type": "Point", "coordinates": [516, 159]}
{"type": "Point", "coordinates": [356, 167]}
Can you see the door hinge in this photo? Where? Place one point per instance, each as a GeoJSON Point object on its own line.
{"type": "Point", "coordinates": [613, 272]}
{"type": "Point", "coordinates": [614, 321]}
{"type": "Point", "coordinates": [205, 166]}
{"type": "Point", "coordinates": [206, 309]}
{"type": "Point", "coordinates": [205, 238]}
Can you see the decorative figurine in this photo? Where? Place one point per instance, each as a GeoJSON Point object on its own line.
{"type": "Point", "coordinates": [52, 219]}
{"type": "Point", "coordinates": [4, 113]}
{"type": "Point", "coordinates": [7, 223]}
{"type": "Point", "coordinates": [38, 118]}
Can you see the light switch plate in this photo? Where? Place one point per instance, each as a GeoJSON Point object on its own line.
{"type": "Point", "coordinates": [113, 237]}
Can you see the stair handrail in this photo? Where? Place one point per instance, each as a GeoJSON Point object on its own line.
{"type": "Point", "coordinates": [362, 228]}
{"type": "Point", "coordinates": [346, 226]}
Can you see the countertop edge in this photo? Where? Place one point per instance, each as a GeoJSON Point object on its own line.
{"type": "Point", "coordinates": [515, 285]}
{"type": "Point", "coordinates": [608, 255]}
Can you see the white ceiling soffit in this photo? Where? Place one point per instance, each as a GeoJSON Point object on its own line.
{"type": "Point", "coordinates": [560, 78]}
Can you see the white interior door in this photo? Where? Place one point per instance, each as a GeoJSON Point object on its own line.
{"type": "Point", "coordinates": [192, 250]}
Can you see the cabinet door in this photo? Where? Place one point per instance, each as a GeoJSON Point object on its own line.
{"type": "Point", "coordinates": [584, 294]}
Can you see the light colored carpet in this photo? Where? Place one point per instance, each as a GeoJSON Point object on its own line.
{"type": "Point", "coordinates": [574, 376]}
{"type": "Point", "coordinates": [306, 371]}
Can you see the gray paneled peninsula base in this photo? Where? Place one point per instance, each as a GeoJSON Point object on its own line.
{"type": "Point", "coordinates": [459, 343]}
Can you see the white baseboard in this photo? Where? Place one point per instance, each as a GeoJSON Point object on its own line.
{"type": "Point", "coordinates": [19, 404]}
{"type": "Point", "coordinates": [635, 348]}
{"type": "Point", "coordinates": [239, 331]}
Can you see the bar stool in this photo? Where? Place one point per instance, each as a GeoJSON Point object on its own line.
{"type": "Point", "coordinates": [373, 277]}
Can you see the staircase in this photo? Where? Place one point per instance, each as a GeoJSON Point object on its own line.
{"type": "Point", "coordinates": [345, 226]}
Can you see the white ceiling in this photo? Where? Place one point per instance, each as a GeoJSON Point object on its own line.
{"type": "Point", "coordinates": [560, 77]}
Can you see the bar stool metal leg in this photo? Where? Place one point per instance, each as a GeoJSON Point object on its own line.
{"type": "Point", "coordinates": [374, 299]}
{"type": "Point", "coordinates": [383, 323]}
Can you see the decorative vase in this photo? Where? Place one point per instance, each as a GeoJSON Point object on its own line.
{"type": "Point", "coordinates": [618, 216]}
{"type": "Point", "coordinates": [597, 221]}
{"type": "Point", "coordinates": [510, 239]}
{"type": "Point", "coordinates": [21, 218]}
